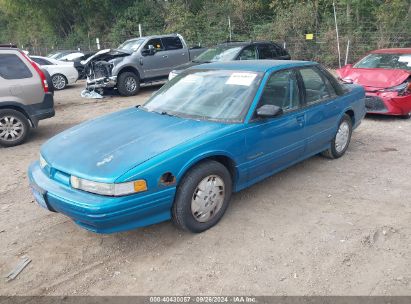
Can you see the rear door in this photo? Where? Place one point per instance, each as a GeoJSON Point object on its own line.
{"type": "Point", "coordinates": [275, 143]}
{"type": "Point", "coordinates": [19, 81]}
{"type": "Point", "coordinates": [175, 52]}
{"type": "Point", "coordinates": [322, 111]}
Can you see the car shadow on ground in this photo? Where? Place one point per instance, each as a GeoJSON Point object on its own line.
{"type": "Point", "coordinates": [377, 117]}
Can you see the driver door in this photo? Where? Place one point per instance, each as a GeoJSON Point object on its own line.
{"type": "Point", "coordinates": [154, 65]}
{"type": "Point", "coordinates": [275, 143]}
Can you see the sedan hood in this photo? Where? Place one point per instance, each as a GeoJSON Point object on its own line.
{"type": "Point", "coordinates": [107, 147]}
{"type": "Point", "coordinates": [375, 78]}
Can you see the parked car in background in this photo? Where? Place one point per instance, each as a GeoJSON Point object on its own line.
{"type": "Point", "coordinates": [79, 67]}
{"type": "Point", "coordinates": [26, 96]}
{"type": "Point", "coordinates": [62, 54]}
{"type": "Point", "coordinates": [212, 130]}
{"type": "Point", "coordinates": [386, 77]}
{"type": "Point", "coordinates": [62, 73]}
{"type": "Point", "coordinates": [229, 51]}
{"type": "Point", "coordinates": [136, 61]}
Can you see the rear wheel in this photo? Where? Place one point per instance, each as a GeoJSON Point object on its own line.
{"type": "Point", "coordinates": [14, 128]}
{"type": "Point", "coordinates": [59, 81]}
{"type": "Point", "coordinates": [341, 139]}
{"type": "Point", "coordinates": [128, 84]}
{"type": "Point", "coordinates": [202, 197]}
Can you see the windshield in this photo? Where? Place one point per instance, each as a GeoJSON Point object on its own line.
{"type": "Point", "coordinates": [385, 61]}
{"type": "Point", "coordinates": [208, 95]}
{"type": "Point", "coordinates": [219, 53]}
{"type": "Point", "coordinates": [131, 45]}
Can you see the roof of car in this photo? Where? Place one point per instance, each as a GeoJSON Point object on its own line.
{"type": "Point", "coordinates": [243, 43]}
{"type": "Point", "coordinates": [393, 51]}
{"type": "Point", "coordinates": [254, 65]}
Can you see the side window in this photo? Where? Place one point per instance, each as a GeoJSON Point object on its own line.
{"type": "Point", "coordinates": [172, 43]}
{"type": "Point", "coordinates": [315, 87]}
{"type": "Point", "coordinates": [265, 51]}
{"type": "Point", "coordinates": [282, 90]}
{"type": "Point", "coordinates": [41, 61]}
{"type": "Point", "coordinates": [279, 50]}
{"type": "Point", "coordinates": [158, 45]}
{"type": "Point", "coordinates": [12, 67]}
{"type": "Point", "coordinates": [248, 53]}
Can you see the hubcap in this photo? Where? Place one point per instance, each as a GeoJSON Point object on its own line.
{"type": "Point", "coordinates": [131, 84]}
{"type": "Point", "coordinates": [59, 82]}
{"type": "Point", "coordinates": [341, 139]}
{"type": "Point", "coordinates": [208, 198]}
{"type": "Point", "coordinates": [11, 128]}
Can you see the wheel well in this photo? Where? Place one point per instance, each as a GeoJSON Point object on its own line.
{"type": "Point", "coordinates": [61, 75]}
{"type": "Point", "coordinates": [11, 107]}
{"type": "Point", "coordinates": [351, 114]}
{"type": "Point", "coordinates": [222, 159]}
{"type": "Point", "coordinates": [129, 69]}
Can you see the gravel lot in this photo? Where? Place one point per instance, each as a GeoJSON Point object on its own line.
{"type": "Point", "coordinates": [322, 227]}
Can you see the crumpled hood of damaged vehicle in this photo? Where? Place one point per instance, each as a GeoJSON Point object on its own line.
{"type": "Point", "coordinates": [106, 55]}
{"type": "Point", "coordinates": [105, 148]}
{"type": "Point", "coordinates": [375, 78]}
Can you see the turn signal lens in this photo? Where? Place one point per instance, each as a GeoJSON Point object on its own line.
{"type": "Point", "coordinates": [140, 185]}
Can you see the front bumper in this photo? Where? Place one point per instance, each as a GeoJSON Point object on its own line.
{"type": "Point", "coordinates": [103, 214]}
{"type": "Point", "coordinates": [387, 103]}
{"type": "Point", "coordinates": [102, 82]}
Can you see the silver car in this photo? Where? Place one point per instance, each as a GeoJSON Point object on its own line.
{"type": "Point", "coordinates": [26, 96]}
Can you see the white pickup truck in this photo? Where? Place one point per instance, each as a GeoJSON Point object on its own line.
{"type": "Point", "coordinates": [138, 60]}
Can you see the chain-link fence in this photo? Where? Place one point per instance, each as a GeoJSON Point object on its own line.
{"type": "Point", "coordinates": [317, 42]}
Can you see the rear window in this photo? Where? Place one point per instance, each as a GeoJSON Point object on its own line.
{"type": "Point", "coordinates": [172, 43]}
{"type": "Point", "coordinates": [12, 67]}
{"type": "Point", "coordinates": [41, 61]}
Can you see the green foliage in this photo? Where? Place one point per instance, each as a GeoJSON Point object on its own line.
{"type": "Point", "coordinates": [41, 25]}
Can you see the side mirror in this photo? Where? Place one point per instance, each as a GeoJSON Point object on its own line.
{"type": "Point", "coordinates": [268, 111]}
{"type": "Point", "coordinates": [150, 51]}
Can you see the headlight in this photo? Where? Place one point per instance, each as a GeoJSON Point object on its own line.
{"type": "Point", "coordinates": [401, 89]}
{"type": "Point", "coordinates": [119, 189]}
{"type": "Point", "coordinates": [172, 75]}
{"type": "Point", "coordinates": [42, 162]}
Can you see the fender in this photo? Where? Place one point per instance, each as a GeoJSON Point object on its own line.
{"type": "Point", "coordinates": [18, 107]}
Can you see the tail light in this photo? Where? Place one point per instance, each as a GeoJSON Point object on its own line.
{"type": "Point", "coordinates": [39, 71]}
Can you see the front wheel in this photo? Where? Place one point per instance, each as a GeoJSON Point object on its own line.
{"type": "Point", "coordinates": [341, 139]}
{"type": "Point", "coordinates": [128, 84]}
{"type": "Point", "coordinates": [202, 197]}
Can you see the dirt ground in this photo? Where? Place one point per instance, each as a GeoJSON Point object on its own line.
{"type": "Point", "coordinates": [322, 227]}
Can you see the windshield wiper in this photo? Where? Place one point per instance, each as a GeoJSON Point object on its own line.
{"type": "Point", "coordinates": [201, 61]}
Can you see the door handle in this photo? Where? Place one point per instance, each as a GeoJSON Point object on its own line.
{"type": "Point", "coordinates": [165, 56]}
{"type": "Point", "coordinates": [300, 120]}
{"type": "Point", "coordinates": [183, 54]}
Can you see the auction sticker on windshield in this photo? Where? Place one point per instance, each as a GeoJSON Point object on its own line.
{"type": "Point", "coordinates": [243, 79]}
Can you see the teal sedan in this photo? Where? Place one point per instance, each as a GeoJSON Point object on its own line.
{"type": "Point", "coordinates": [213, 130]}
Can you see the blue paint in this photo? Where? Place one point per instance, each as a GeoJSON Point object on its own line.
{"type": "Point", "coordinates": [134, 144]}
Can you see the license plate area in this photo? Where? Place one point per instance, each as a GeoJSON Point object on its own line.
{"type": "Point", "coordinates": [39, 196]}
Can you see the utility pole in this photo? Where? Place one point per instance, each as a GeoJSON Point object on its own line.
{"type": "Point", "coordinates": [338, 38]}
{"type": "Point", "coordinates": [229, 27]}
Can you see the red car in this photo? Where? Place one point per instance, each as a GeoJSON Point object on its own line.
{"type": "Point", "coordinates": [386, 77]}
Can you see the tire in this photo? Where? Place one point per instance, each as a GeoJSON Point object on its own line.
{"type": "Point", "coordinates": [128, 84]}
{"type": "Point", "coordinates": [59, 81]}
{"type": "Point", "coordinates": [341, 140]}
{"type": "Point", "coordinates": [13, 124]}
{"type": "Point", "coordinates": [186, 213]}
